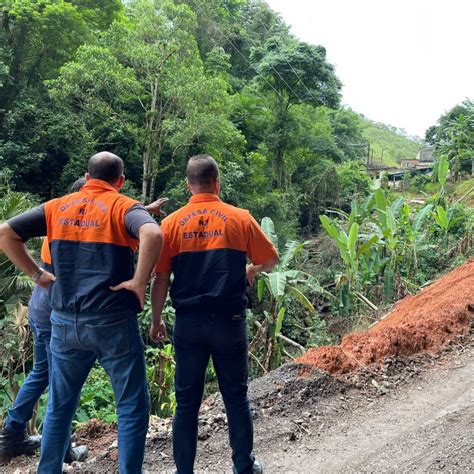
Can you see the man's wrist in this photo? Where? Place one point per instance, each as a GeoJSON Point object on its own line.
{"type": "Point", "coordinates": [157, 320]}
{"type": "Point", "coordinates": [37, 274]}
{"type": "Point", "coordinates": [140, 282]}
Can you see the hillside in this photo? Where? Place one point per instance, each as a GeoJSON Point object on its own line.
{"type": "Point", "coordinates": [463, 189]}
{"type": "Point", "coordinates": [395, 146]}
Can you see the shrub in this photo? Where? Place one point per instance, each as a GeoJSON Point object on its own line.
{"type": "Point", "coordinates": [355, 182]}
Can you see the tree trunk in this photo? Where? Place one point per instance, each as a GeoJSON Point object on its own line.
{"type": "Point", "coordinates": [148, 152]}
{"type": "Point", "coordinates": [281, 129]}
{"type": "Point", "coordinates": [280, 164]}
{"type": "Point", "coordinates": [145, 178]}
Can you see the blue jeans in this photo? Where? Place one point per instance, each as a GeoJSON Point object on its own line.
{"type": "Point", "coordinates": [36, 382]}
{"type": "Point", "coordinates": [197, 337]}
{"type": "Point", "coordinates": [77, 341]}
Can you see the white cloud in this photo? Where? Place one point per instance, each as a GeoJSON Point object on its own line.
{"type": "Point", "coordinates": [401, 62]}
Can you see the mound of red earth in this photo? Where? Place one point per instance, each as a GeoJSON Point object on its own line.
{"type": "Point", "coordinates": [422, 323]}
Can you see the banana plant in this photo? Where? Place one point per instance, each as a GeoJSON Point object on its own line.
{"type": "Point", "coordinates": [351, 252]}
{"type": "Point", "coordinates": [442, 171]}
{"type": "Point", "coordinates": [282, 285]}
{"type": "Point", "coordinates": [445, 219]}
{"type": "Point", "coordinates": [385, 221]}
{"type": "Point", "coordinates": [160, 375]}
{"type": "Point", "coordinates": [15, 287]}
{"type": "Point", "coordinates": [412, 220]}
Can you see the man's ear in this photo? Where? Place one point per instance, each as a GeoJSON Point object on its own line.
{"type": "Point", "coordinates": [189, 186]}
{"type": "Point", "coordinates": [218, 186]}
{"type": "Point", "coordinates": [87, 176]}
{"type": "Point", "coordinates": [120, 182]}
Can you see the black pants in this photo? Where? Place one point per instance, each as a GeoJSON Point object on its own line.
{"type": "Point", "coordinates": [197, 337]}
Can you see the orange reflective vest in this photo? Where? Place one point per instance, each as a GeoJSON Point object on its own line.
{"type": "Point", "coordinates": [206, 246]}
{"type": "Point", "coordinates": [91, 250]}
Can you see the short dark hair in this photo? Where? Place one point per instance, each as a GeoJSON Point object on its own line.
{"type": "Point", "coordinates": [202, 170]}
{"type": "Point", "coordinates": [106, 166]}
{"type": "Point", "coordinates": [77, 185]}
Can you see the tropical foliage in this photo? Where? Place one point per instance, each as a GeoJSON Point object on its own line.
{"type": "Point", "coordinates": [453, 138]}
{"type": "Point", "coordinates": [276, 289]}
{"type": "Point", "coordinates": [156, 81]}
{"type": "Point", "coordinates": [384, 240]}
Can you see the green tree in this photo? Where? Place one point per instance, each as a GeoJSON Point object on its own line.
{"type": "Point", "coordinates": [458, 141]}
{"type": "Point", "coordinates": [347, 130]}
{"type": "Point", "coordinates": [453, 137]}
{"type": "Point", "coordinates": [39, 37]}
{"type": "Point", "coordinates": [354, 182]}
{"type": "Point", "coordinates": [36, 39]}
{"type": "Point", "coordinates": [147, 79]}
{"type": "Point", "coordinates": [295, 73]}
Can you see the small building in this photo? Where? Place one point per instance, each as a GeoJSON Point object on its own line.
{"type": "Point", "coordinates": [409, 163]}
{"type": "Point", "coordinates": [425, 155]}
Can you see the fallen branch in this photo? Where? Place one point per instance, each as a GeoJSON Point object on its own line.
{"type": "Point", "coordinates": [288, 354]}
{"type": "Point", "coordinates": [465, 195]}
{"type": "Point", "coordinates": [292, 343]}
{"type": "Point", "coordinates": [285, 339]}
{"type": "Point", "coordinates": [301, 427]}
{"type": "Point", "coordinates": [364, 300]}
{"type": "Point", "coordinates": [388, 312]}
{"type": "Point", "coordinates": [258, 362]}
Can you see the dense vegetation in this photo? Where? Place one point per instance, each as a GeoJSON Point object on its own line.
{"type": "Point", "coordinates": [453, 136]}
{"type": "Point", "coordinates": [156, 81]}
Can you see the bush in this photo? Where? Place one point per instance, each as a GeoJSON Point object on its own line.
{"type": "Point", "coordinates": [419, 181]}
{"type": "Point", "coordinates": [97, 398]}
{"type": "Point", "coordinates": [282, 208]}
{"type": "Point", "coordinates": [355, 182]}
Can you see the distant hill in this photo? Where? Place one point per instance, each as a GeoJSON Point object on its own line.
{"type": "Point", "coordinates": [394, 142]}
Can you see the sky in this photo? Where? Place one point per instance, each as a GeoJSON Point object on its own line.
{"type": "Point", "coordinates": [401, 62]}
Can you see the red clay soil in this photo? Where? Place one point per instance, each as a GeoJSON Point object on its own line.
{"type": "Point", "coordinates": [422, 323]}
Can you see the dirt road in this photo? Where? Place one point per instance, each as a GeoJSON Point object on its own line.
{"type": "Point", "coordinates": [427, 427]}
{"type": "Point", "coordinates": [423, 423]}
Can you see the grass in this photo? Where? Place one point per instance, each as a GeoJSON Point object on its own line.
{"type": "Point", "coordinates": [459, 189]}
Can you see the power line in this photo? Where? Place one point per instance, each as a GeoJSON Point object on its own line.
{"type": "Point", "coordinates": [246, 60]}
{"type": "Point", "coordinates": [292, 68]}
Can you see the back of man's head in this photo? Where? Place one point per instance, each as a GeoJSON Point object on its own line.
{"type": "Point", "coordinates": [202, 170]}
{"type": "Point", "coordinates": [77, 185]}
{"type": "Point", "coordinates": [106, 166]}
